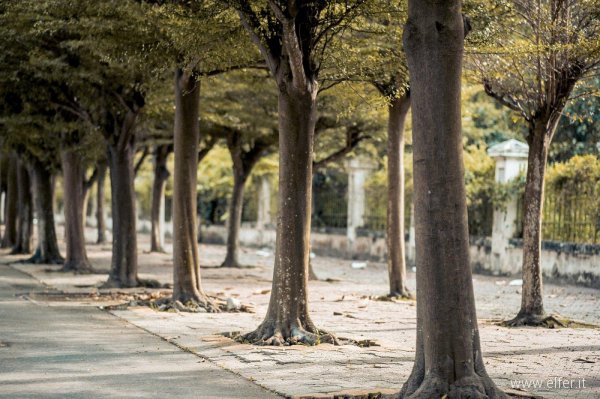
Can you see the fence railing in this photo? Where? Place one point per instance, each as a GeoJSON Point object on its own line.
{"type": "Point", "coordinates": [569, 214]}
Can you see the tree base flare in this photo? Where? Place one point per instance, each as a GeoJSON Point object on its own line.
{"type": "Point", "coordinates": [273, 334]}
{"type": "Point", "coordinates": [474, 387]}
{"type": "Point", "coordinates": [235, 265]}
{"type": "Point", "coordinates": [37, 259]}
{"type": "Point", "coordinates": [80, 267]}
{"type": "Point", "coordinates": [198, 304]}
{"type": "Point", "coordinates": [545, 321]}
{"type": "Point", "coordinates": [143, 283]}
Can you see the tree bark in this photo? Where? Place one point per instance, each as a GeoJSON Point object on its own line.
{"type": "Point", "coordinates": [187, 286]}
{"type": "Point", "coordinates": [73, 173]}
{"type": "Point", "coordinates": [3, 167]}
{"type": "Point", "coordinates": [47, 251]}
{"type": "Point", "coordinates": [161, 174]}
{"type": "Point", "coordinates": [11, 202]}
{"type": "Point", "coordinates": [532, 311]}
{"type": "Point", "coordinates": [448, 361]}
{"type": "Point", "coordinates": [234, 222]}
{"type": "Point", "coordinates": [396, 259]}
{"type": "Point", "coordinates": [100, 213]}
{"type": "Point", "coordinates": [25, 211]}
{"type": "Point", "coordinates": [123, 271]}
{"type": "Point", "coordinates": [287, 319]}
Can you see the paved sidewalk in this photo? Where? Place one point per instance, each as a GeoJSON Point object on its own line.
{"type": "Point", "coordinates": [83, 352]}
{"type": "Point", "coordinates": [343, 304]}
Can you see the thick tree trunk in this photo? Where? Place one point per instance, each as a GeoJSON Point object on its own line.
{"type": "Point", "coordinates": [187, 287]}
{"type": "Point", "coordinates": [287, 319]}
{"type": "Point", "coordinates": [123, 270]}
{"type": "Point", "coordinates": [532, 307]}
{"type": "Point", "coordinates": [161, 174]}
{"type": "Point", "coordinates": [100, 213]}
{"type": "Point", "coordinates": [12, 200]}
{"type": "Point", "coordinates": [43, 193]}
{"type": "Point", "coordinates": [236, 206]}
{"type": "Point", "coordinates": [25, 211]}
{"type": "Point", "coordinates": [73, 172]}
{"type": "Point", "coordinates": [448, 361]}
{"type": "Point", "coordinates": [3, 167]}
{"type": "Point", "coordinates": [396, 260]}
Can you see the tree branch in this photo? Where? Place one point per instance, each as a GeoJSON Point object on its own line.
{"type": "Point", "coordinates": [292, 46]}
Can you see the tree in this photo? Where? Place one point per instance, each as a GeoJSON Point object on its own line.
{"type": "Point", "coordinates": [186, 271]}
{"type": "Point", "coordinates": [47, 251]}
{"type": "Point", "coordinates": [161, 174]}
{"type": "Point", "coordinates": [396, 258]}
{"type": "Point", "coordinates": [240, 110]}
{"type": "Point", "coordinates": [100, 213]}
{"type": "Point", "coordinates": [10, 226]}
{"type": "Point", "coordinates": [371, 45]}
{"type": "Point", "coordinates": [24, 210]}
{"type": "Point", "coordinates": [448, 361]}
{"type": "Point", "coordinates": [544, 49]}
{"type": "Point", "coordinates": [74, 198]}
{"type": "Point", "coordinates": [292, 39]}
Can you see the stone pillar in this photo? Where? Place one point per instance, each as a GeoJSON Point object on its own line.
{"type": "Point", "coordinates": [358, 171]}
{"type": "Point", "coordinates": [264, 203]}
{"type": "Point", "coordinates": [511, 160]}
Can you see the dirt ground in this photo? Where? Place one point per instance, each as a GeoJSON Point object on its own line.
{"type": "Point", "coordinates": [550, 363]}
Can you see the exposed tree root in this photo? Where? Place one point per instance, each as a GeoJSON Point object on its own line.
{"type": "Point", "coordinates": [143, 283]}
{"type": "Point", "coordinates": [395, 297]}
{"type": "Point", "coordinates": [474, 387]}
{"type": "Point", "coordinates": [546, 321]}
{"type": "Point", "coordinates": [80, 267]}
{"type": "Point", "coordinates": [201, 303]}
{"type": "Point", "coordinates": [197, 304]}
{"type": "Point", "coordinates": [156, 251]}
{"type": "Point", "coordinates": [270, 334]}
{"type": "Point", "coordinates": [235, 265]}
{"type": "Point", "coordinates": [37, 259]}
{"type": "Point", "coordinates": [17, 250]}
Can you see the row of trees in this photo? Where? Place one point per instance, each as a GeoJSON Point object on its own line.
{"type": "Point", "coordinates": [84, 86]}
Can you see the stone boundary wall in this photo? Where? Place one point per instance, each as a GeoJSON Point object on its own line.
{"type": "Point", "coordinates": [567, 262]}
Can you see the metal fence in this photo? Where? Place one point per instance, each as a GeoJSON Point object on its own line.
{"type": "Point", "coordinates": [569, 215]}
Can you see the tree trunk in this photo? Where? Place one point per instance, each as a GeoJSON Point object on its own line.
{"type": "Point", "coordinates": [12, 200]}
{"type": "Point", "coordinates": [448, 361]}
{"type": "Point", "coordinates": [100, 214]}
{"type": "Point", "coordinates": [123, 270]}
{"type": "Point", "coordinates": [287, 319]}
{"type": "Point", "coordinates": [43, 194]}
{"type": "Point", "coordinates": [236, 206]}
{"type": "Point", "coordinates": [396, 260]}
{"type": "Point", "coordinates": [161, 174]}
{"type": "Point", "coordinates": [73, 173]}
{"type": "Point", "coordinates": [25, 211]}
{"type": "Point", "coordinates": [186, 269]}
{"type": "Point", "coordinates": [3, 167]}
{"type": "Point", "coordinates": [532, 307]}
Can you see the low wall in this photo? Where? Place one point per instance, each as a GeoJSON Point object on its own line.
{"type": "Point", "coordinates": [572, 263]}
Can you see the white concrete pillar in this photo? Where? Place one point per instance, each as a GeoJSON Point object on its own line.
{"type": "Point", "coordinates": [511, 160]}
{"type": "Point", "coordinates": [264, 203]}
{"type": "Point", "coordinates": [358, 172]}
